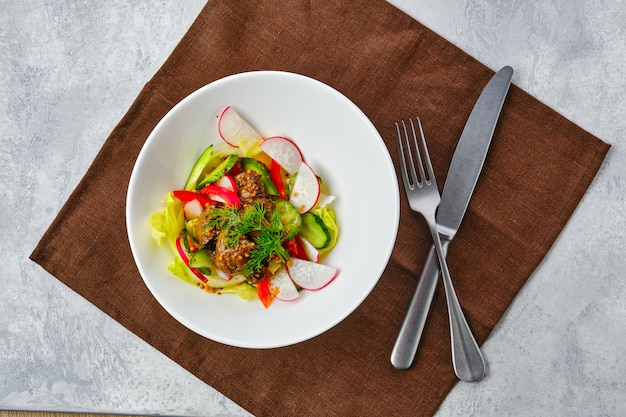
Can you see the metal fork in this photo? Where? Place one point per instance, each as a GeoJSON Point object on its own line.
{"type": "Point", "coordinates": [424, 198]}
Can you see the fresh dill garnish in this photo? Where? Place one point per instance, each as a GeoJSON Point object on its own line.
{"type": "Point", "coordinates": [268, 243]}
{"type": "Point", "coordinates": [221, 218]}
{"type": "Point", "coordinates": [268, 233]}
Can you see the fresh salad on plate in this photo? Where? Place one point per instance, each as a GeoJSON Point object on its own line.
{"type": "Point", "coordinates": [253, 218]}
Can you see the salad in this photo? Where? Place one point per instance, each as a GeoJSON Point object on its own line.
{"type": "Point", "coordinates": [253, 218]}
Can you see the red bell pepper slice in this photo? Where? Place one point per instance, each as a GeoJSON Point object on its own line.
{"type": "Point", "coordinates": [230, 198]}
{"type": "Point", "coordinates": [263, 290]}
{"type": "Point", "coordinates": [275, 176]}
{"type": "Point", "coordinates": [295, 249]}
{"type": "Point", "coordinates": [187, 196]}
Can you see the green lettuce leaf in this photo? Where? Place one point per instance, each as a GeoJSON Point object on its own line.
{"type": "Point", "coordinates": [179, 269]}
{"type": "Point", "coordinates": [327, 215]}
{"type": "Point", "coordinates": [243, 290]}
{"type": "Point", "coordinates": [169, 222]}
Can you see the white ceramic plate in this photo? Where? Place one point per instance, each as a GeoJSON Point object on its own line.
{"type": "Point", "coordinates": [337, 140]}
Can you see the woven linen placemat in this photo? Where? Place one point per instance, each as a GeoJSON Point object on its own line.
{"type": "Point", "coordinates": [392, 67]}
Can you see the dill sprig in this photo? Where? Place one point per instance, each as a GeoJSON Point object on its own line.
{"type": "Point", "coordinates": [267, 244]}
{"type": "Point", "coordinates": [268, 232]}
{"type": "Point", "coordinates": [222, 218]}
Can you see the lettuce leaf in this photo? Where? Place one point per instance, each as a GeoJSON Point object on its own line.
{"type": "Point", "coordinates": [180, 269]}
{"type": "Point", "coordinates": [168, 222]}
{"type": "Point", "coordinates": [329, 218]}
{"type": "Point", "coordinates": [244, 290]}
{"type": "Point", "coordinates": [248, 148]}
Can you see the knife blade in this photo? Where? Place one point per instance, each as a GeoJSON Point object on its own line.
{"type": "Point", "coordinates": [465, 167]}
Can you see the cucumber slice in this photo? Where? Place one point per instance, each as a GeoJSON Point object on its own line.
{"type": "Point", "coordinates": [249, 164]}
{"type": "Point", "coordinates": [314, 230]}
{"type": "Point", "coordinates": [219, 171]}
{"type": "Point", "coordinates": [201, 260]}
{"type": "Point", "coordinates": [289, 216]}
{"type": "Point", "coordinates": [198, 168]}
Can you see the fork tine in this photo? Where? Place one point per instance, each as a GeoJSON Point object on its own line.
{"type": "Point", "coordinates": [416, 179]}
{"type": "Point", "coordinates": [429, 165]}
{"type": "Point", "coordinates": [416, 152]}
{"type": "Point", "coordinates": [420, 163]}
{"type": "Point", "coordinates": [405, 179]}
{"type": "Point", "coordinates": [408, 185]}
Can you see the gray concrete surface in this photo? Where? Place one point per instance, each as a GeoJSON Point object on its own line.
{"type": "Point", "coordinates": [70, 69]}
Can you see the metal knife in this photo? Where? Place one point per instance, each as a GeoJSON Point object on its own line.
{"type": "Point", "coordinates": [465, 167]}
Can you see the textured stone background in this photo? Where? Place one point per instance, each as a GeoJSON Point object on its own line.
{"type": "Point", "coordinates": [70, 69]}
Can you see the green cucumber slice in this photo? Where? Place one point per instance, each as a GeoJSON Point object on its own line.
{"type": "Point", "coordinates": [198, 168]}
{"type": "Point", "coordinates": [314, 230]}
{"type": "Point", "coordinates": [201, 260]}
{"type": "Point", "coordinates": [289, 216]}
{"type": "Point", "coordinates": [219, 171]}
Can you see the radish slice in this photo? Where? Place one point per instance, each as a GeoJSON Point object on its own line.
{"type": "Point", "coordinates": [193, 209]}
{"type": "Point", "coordinates": [221, 195]}
{"type": "Point", "coordinates": [284, 151]}
{"type": "Point", "coordinates": [223, 275]}
{"type": "Point", "coordinates": [311, 253]}
{"type": "Point", "coordinates": [283, 287]}
{"type": "Point", "coordinates": [310, 275]}
{"type": "Point", "coordinates": [185, 259]}
{"type": "Point", "coordinates": [217, 198]}
{"type": "Point", "coordinates": [233, 128]}
{"type": "Point", "coordinates": [306, 189]}
{"type": "Point", "coordinates": [227, 182]}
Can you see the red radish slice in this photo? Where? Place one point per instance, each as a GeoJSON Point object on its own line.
{"type": "Point", "coordinates": [283, 287]}
{"type": "Point", "coordinates": [310, 275]}
{"type": "Point", "coordinates": [311, 253]}
{"type": "Point", "coordinates": [227, 182]}
{"type": "Point", "coordinates": [185, 259]}
{"type": "Point", "coordinates": [233, 128]}
{"type": "Point", "coordinates": [217, 198]}
{"type": "Point", "coordinates": [284, 151]}
{"type": "Point", "coordinates": [223, 275]}
{"type": "Point", "coordinates": [306, 189]}
{"type": "Point", "coordinates": [222, 195]}
{"type": "Point", "coordinates": [193, 209]}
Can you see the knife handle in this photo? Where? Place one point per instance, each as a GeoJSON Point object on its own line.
{"type": "Point", "coordinates": [410, 334]}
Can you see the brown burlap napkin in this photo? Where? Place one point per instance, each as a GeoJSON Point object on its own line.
{"type": "Point", "coordinates": [538, 168]}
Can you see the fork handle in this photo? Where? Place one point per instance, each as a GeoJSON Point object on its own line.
{"type": "Point", "coordinates": [410, 334]}
{"type": "Point", "coordinates": [467, 359]}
